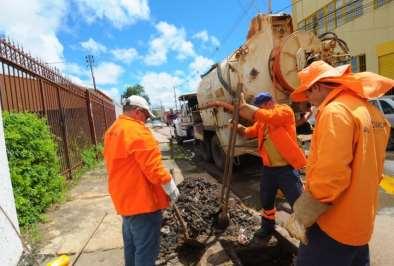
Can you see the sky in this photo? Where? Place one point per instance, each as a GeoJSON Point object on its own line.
{"type": "Point", "coordinates": [159, 44]}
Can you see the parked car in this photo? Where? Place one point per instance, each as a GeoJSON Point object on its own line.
{"type": "Point", "coordinates": [157, 123]}
{"type": "Point", "coordinates": [386, 106]}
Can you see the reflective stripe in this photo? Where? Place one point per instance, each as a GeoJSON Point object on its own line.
{"type": "Point", "coordinates": [269, 217]}
{"type": "Point", "coordinates": [269, 214]}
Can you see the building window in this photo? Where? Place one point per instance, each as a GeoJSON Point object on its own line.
{"type": "Point", "coordinates": [331, 16]}
{"type": "Point", "coordinates": [354, 9]}
{"type": "Point", "coordinates": [340, 12]}
{"type": "Point", "coordinates": [359, 63]}
{"type": "Point", "coordinates": [379, 3]}
{"type": "Point", "coordinates": [320, 25]}
{"type": "Point", "coordinates": [335, 14]}
{"type": "Point", "coordinates": [309, 22]}
{"type": "Point", "coordinates": [301, 25]}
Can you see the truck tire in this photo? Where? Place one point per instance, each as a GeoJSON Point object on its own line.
{"type": "Point", "coordinates": [204, 150]}
{"type": "Point", "coordinates": [218, 155]}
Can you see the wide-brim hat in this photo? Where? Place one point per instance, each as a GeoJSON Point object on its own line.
{"type": "Point", "coordinates": [315, 72]}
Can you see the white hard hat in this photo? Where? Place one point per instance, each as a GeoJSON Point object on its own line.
{"type": "Point", "coordinates": [139, 101]}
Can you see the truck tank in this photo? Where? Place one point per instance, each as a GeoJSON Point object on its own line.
{"type": "Point", "coordinates": [268, 61]}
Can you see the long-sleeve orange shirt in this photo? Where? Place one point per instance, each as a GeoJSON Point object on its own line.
{"type": "Point", "coordinates": [279, 122]}
{"type": "Point", "coordinates": [135, 171]}
{"type": "Point", "coordinates": [345, 165]}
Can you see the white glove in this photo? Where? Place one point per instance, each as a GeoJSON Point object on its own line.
{"type": "Point", "coordinates": [296, 229]}
{"type": "Point", "coordinates": [306, 212]}
{"type": "Point", "coordinates": [171, 189]}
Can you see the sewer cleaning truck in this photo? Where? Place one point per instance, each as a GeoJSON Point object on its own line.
{"type": "Point", "coordinates": [269, 60]}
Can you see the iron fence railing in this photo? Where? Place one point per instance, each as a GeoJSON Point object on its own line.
{"type": "Point", "coordinates": [77, 116]}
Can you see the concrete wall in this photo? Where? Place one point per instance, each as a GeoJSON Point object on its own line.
{"type": "Point", "coordinates": [364, 34]}
{"type": "Point", "coordinates": [10, 245]}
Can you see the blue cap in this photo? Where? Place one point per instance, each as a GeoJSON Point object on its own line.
{"type": "Point", "coordinates": [262, 98]}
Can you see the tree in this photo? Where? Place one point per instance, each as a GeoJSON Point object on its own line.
{"type": "Point", "coordinates": [135, 90]}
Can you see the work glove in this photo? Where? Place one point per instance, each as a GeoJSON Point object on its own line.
{"type": "Point", "coordinates": [246, 110]}
{"type": "Point", "coordinates": [306, 212]}
{"type": "Point", "coordinates": [171, 189]}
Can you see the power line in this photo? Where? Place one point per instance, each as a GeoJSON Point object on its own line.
{"type": "Point", "coordinates": [235, 25]}
{"type": "Point", "coordinates": [286, 7]}
{"type": "Point", "coordinates": [237, 22]}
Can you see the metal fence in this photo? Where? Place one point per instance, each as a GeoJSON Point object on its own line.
{"type": "Point", "coordinates": [77, 116]}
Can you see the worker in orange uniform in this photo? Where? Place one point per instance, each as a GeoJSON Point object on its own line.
{"type": "Point", "coordinates": [138, 183]}
{"type": "Point", "coordinates": [274, 127]}
{"type": "Point", "coordinates": [334, 217]}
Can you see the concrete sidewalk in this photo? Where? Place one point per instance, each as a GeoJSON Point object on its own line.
{"type": "Point", "coordinates": [89, 217]}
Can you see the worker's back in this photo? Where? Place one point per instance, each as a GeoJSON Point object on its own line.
{"type": "Point", "coordinates": [351, 167]}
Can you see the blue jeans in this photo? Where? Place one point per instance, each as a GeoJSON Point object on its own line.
{"type": "Point", "coordinates": [285, 178]}
{"type": "Point", "coordinates": [322, 250]}
{"type": "Point", "coordinates": [141, 238]}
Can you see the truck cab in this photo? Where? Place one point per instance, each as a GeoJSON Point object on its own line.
{"type": "Point", "coordinates": [187, 118]}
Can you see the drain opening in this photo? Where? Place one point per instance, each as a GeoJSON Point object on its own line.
{"type": "Point", "coordinates": [257, 253]}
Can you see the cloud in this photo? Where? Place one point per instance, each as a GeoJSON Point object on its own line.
{"type": "Point", "coordinates": [198, 67]}
{"type": "Point", "coordinates": [108, 73]}
{"type": "Point", "coordinates": [125, 55]}
{"type": "Point", "coordinates": [206, 38]}
{"type": "Point", "coordinates": [35, 26]}
{"type": "Point", "coordinates": [200, 64]}
{"type": "Point", "coordinates": [119, 12]}
{"type": "Point", "coordinates": [78, 81]}
{"type": "Point", "coordinates": [94, 47]}
{"type": "Point", "coordinates": [160, 87]}
{"type": "Point", "coordinates": [170, 38]}
{"type": "Point", "coordinates": [77, 74]}
{"type": "Point", "coordinates": [215, 41]}
{"type": "Point", "coordinates": [113, 93]}
{"type": "Point", "coordinates": [202, 35]}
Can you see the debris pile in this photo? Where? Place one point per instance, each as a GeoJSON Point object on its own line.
{"type": "Point", "coordinates": [199, 205]}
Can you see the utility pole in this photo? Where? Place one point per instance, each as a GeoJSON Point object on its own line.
{"type": "Point", "coordinates": [269, 7]}
{"type": "Point", "coordinates": [90, 62]}
{"type": "Point", "coordinates": [161, 110]}
{"type": "Point", "coordinates": [176, 106]}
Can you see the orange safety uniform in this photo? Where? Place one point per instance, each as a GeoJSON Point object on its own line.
{"type": "Point", "coordinates": [136, 173]}
{"type": "Point", "coordinates": [345, 164]}
{"type": "Point", "coordinates": [280, 125]}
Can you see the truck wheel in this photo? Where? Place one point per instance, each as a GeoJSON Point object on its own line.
{"type": "Point", "coordinates": [218, 154]}
{"type": "Point", "coordinates": [204, 150]}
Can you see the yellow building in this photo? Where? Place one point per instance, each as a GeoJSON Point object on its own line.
{"type": "Point", "coordinates": [367, 26]}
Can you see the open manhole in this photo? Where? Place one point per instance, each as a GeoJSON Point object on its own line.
{"type": "Point", "coordinates": [275, 253]}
